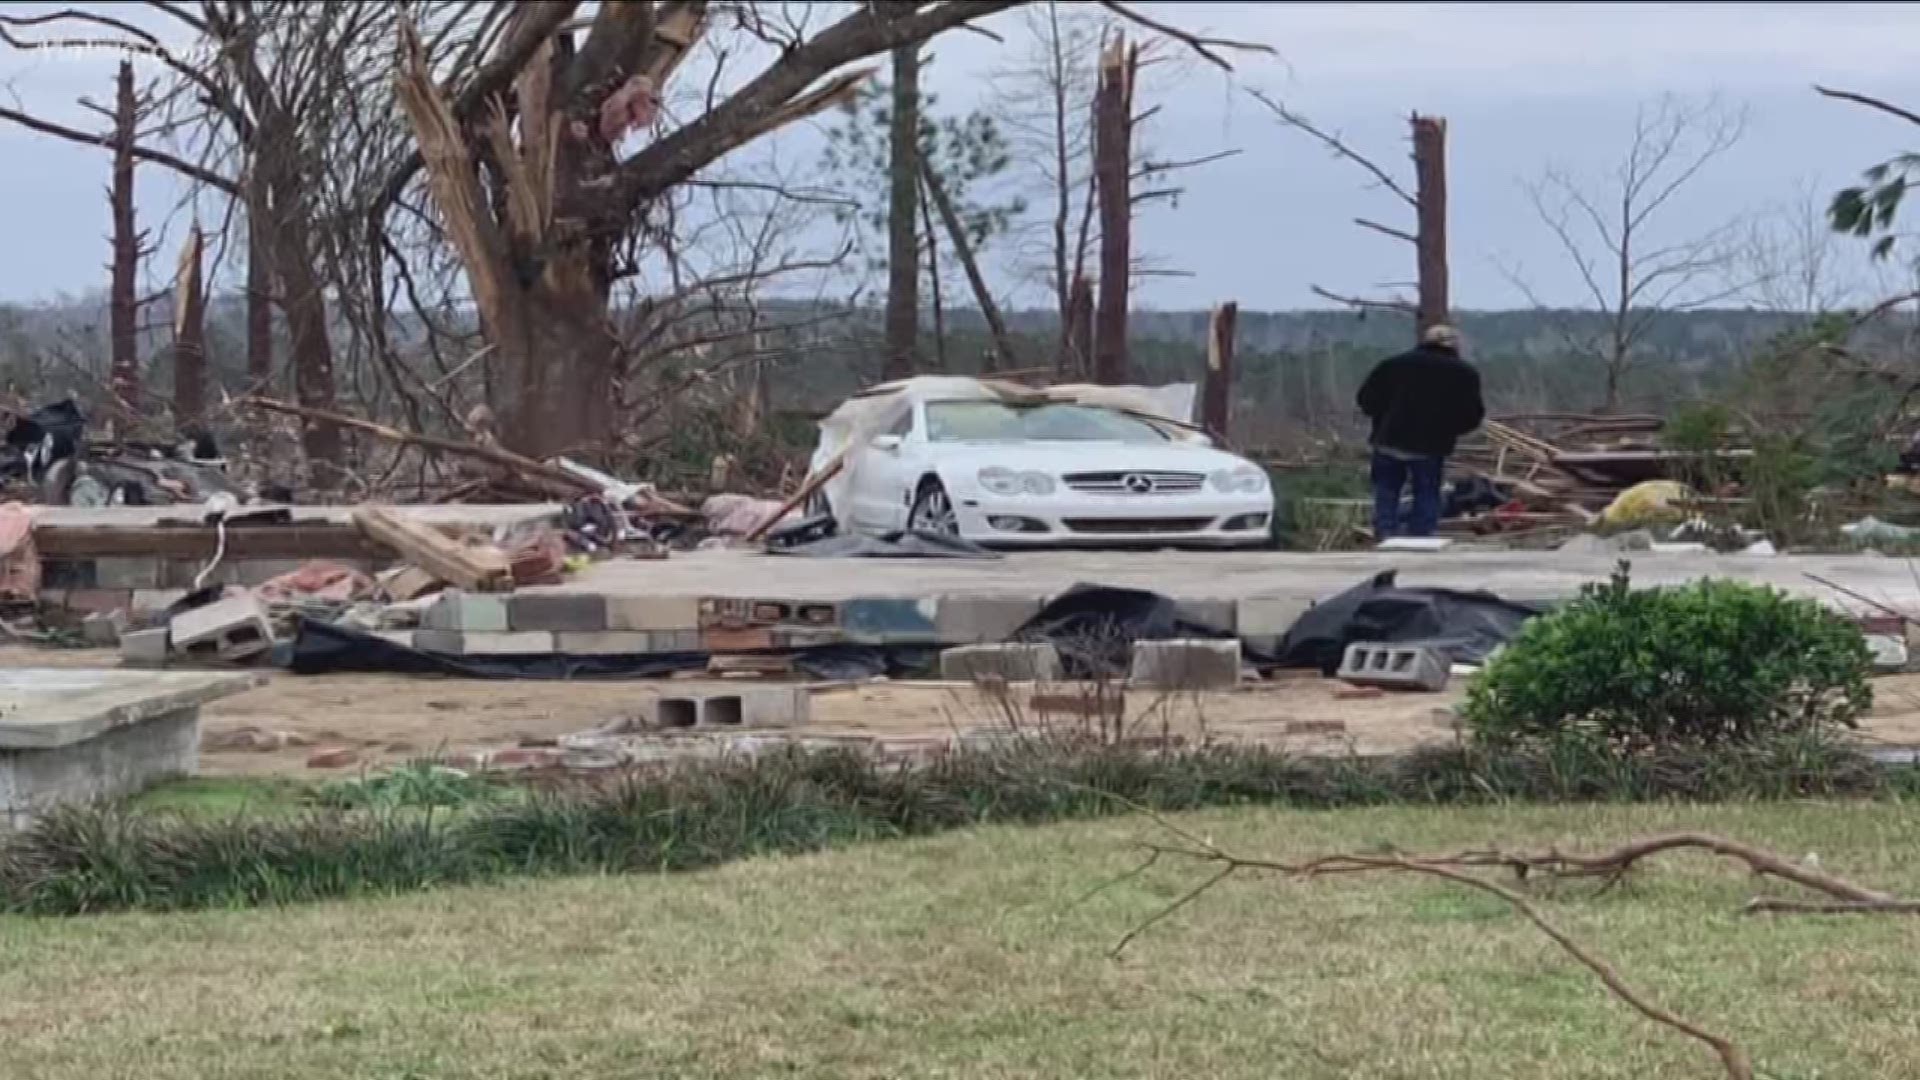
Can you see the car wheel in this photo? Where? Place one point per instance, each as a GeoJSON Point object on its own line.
{"type": "Point", "coordinates": [932, 511]}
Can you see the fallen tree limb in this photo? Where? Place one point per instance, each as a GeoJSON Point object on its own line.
{"type": "Point", "coordinates": [806, 491]}
{"type": "Point", "coordinates": [554, 481]}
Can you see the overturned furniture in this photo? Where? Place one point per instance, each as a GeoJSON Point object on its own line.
{"type": "Point", "coordinates": [73, 735]}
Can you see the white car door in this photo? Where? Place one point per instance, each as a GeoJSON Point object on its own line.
{"type": "Point", "coordinates": [881, 487]}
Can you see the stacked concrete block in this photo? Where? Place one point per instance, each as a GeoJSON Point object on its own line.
{"type": "Point", "coordinates": [653, 613]}
{"type": "Point", "coordinates": [605, 643]}
{"type": "Point", "coordinates": [771, 707]}
{"type": "Point", "coordinates": [557, 612]}
{"type": "Point", "coordinates": [462, 643]}
{"type": "Point", "coordinates": [1395, 667]}
{"type": "Point", "coordinates": [473, 613]}
{"type": "Point", "coordinates": [236, 628]}
{"type": "Point", "coordinates": [1002, 663]}
{"type": "Point", "coordinates": [886, 621]}
{"type": "Point", "coordinates": [1186, 664]}
{"type": "Point", "coordinates": [981, 620]}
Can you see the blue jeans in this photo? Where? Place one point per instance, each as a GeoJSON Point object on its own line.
{"type": "Point", "coordinates": [1390, 475]}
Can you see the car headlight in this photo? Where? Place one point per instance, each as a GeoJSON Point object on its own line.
{"type": "Point", "coordinates": [1246, 478]}
{"type": "Point", "coordinates": [1008, 482]}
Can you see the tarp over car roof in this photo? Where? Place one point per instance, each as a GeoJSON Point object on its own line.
{"type": "Point", "coordinates": [877, 408]}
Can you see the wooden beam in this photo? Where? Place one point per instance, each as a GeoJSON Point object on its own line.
{"type": "Point", "coordinates": [473, 568]}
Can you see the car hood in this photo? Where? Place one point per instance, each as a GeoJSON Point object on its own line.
{"type": "Point", "coordinates": [1058, 458]}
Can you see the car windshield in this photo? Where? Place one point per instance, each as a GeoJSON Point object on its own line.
{"type": "Point", "coordinates": [997, 421]}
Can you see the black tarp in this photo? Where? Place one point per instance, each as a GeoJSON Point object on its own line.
{"type": "Point", "coordinates": [1466, 625]}
{"type": "Point", "coordinates": [323, 648]}
{"type": "Point", "coordinates": [1095, 626]}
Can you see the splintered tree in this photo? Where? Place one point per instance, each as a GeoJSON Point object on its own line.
{"type": "Point", "coordinates": [1427, 200]}
{"type": "Point", "coordinates": [190, 333]}
{"type": "Point", "coordinates": [128, 248]}
{"type": "Point", "coordinates": [1113, 175]}
{"type": "Point", "coordinates": [903, 217]}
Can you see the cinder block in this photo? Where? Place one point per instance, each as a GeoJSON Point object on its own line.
{"type": "Point", "coordinates": [1268, 616]}
{"type": "Point", "coordinates": [557, 611]}
{"type": "Point", "coordinates": [474, 613]}
{"type": "Point", "coordinates": [104, 629]}
{"type": "Point", "coordinates": [980, 620]}
{"type": "Point", "coordinates": [461, 643]}
{"type": "Point", "coordinates": [145, 648]}
{"type": "Point", "coordinates": [128, 573]}
{"type": "Point", "coordinates": [883, 621]}
{"type": "Point", "coordinates": [773, 707]}
{"type": "Point", "coordinates": [1217, 615]}
{"type": "Point", "coordinates": [653, 612]}
{"type": "Point", "coordinates": [231, 629]}
{"type": "Point", "coordinates": [1395, 667]}
{"type": "Point", "coordinates": [604, 643]}
{"type": "Point", "coordinates": [741, 613]}
{"type": "Point", "coordinates": [1016, 661]}
{"type": "Point", "coordinates": [1186, 664]}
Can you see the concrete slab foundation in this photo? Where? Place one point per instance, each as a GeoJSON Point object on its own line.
{"type": "Point", "coordinates": [71, 736]}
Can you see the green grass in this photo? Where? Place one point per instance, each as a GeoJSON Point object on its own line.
{"type": "Point", "coordinates": [224, 796]}
{"type": "Point", "coordinates": [980, 954]}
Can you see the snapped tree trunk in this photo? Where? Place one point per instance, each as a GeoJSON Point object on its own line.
{"type": "Point", "coordinates": [1003, 352]}
{"type": "Point", "coordinates": [1216, 390]}
{"type": "Point", "coordinates": [190, 335]}
{"type": "Point", "coordinates": [259, 291]}
{"type": "Point", "coordinates": [304, 303]}
{"type": "Point", "coordinates": [554, 386]}
{"type": "Point", "coordinates": [903, 226]}
{"type": "Point", "coordinates": [1076, 353]}
{"type": "Point", "coordinates": [123, 311]}
{"type": "Point", "coordinates": [1430, 238]}
{"type": "Point", "coordinates": [1112, 167]}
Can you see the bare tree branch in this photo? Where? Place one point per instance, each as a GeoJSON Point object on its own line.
{"type": "Point", "coordinates": [1334, 143]}
{"type": "Point", "coordinates": [1871, 103]}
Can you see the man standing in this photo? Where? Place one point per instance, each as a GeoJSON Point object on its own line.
{"type": "Point", "coordinates": [1420, 403]}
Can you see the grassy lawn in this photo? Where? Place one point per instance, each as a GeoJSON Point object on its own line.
{"type": "Point", "coordinates": [978, 954]}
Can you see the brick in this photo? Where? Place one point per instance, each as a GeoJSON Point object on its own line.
{"type": "Point", "coordinates": [231, 629]}
{"type": "Point", "coordinates": [333, 757]}
{"type": "Point", "coordinates": [604, 643]}
{"type": "Point", "coordinates": [461, 643]}
{"type": "Point", "coordinates": [979, 620]}
{"type": "Point", "coordinates": [145, 648]}
{"type": "Point", "coordinates": [1186, 664]}
{"type": "Point", "coordinates": [128, 573]}
{"type": "Point", "coordinates": [885, 621]}
{"type": "Point", "coordinates": [757, 639]}
{"type": "Point", "coordinates": [1005, 662]}
{"type": "Point", "coordinates": [1264, 616]}
{"type": "Point", "coordinates": [1219, 616]}
{"type": "Point", "coordinates": [653, 613]}
{"type": "Point", "coordinates": [1395, 667]}
{"type": "Point", "coordinates": [557, 611]}
{"type": "Point", "coordinates": [469, 612]}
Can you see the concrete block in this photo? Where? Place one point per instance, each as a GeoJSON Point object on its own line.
{"type": "Point", "coordinates": [474, 613]}
{"type": "Point", "coordinates": [231, 629]}
{"type": "Point", "coordinates": [769, 707]}
{"type": "Point", "coordinates": [1268, 616]}
{"type": "Point", "coordinates": [1006, 662]}
{"type": "Point", "coordinates": [653, 613]}
{"type": "Point", "coordinates": [881, 621]}
{"type": "Point", "coordinates": [675, 641]}
{"type": "Point", "coordinates": [1217, 615]}
{"type": "Point", "coordinates": [104, 629]}
{"type": "Point", "coordinates": [152, 603]}
{"type": "Point", "coordinates": [740, 613]}
{"type": "Point", "coordinates": [604, 643]}
{"type": "Point", "coordinates": [557, 611]}
{"type": "Point", "coordinates": [1395, 667]}
{"type": "Point", "coordinates": [461, 643]}
{"type": "Point", "coordinates": [981, 620]}
{"type": "Point", "coordinates": [145, 648]}
{"type": "Point", "coordinates": [1186, 664]}
{"type": "Point", "coordinates": [1889, 651]}
{"type": "Point", "coordinates": [805, 637]}
{"type": "Point", "coordinates": [128, 573]}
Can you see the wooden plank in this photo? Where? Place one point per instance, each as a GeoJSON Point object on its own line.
{"type": "Point", "coordinates": [474, 568]}
{"type": "Point", "coordinates": [806, 491]}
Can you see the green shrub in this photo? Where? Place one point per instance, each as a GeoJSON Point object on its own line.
{"type": "Point", "coordinates": [1712, 664]}
{"type": "Point", "coordinates": [417, 784]}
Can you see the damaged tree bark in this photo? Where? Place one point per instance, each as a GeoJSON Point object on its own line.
{"type": "Point", "coordinates": [903, 246]}
{"type": "Point", "coordinates": [122, 306]}
{"type": "Point", "coordinates": [190, 334]}
{"type": "Point", "coordinates": [1112, 169]}
{"type": "Point", "coordinates": [1076, 353]}
{"type": "Point", "coordinates": [1430, 210]}
{"type": "Point", "coordinates": [1216, 390]}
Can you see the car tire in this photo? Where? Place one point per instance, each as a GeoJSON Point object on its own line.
{"type": "Point", "coordinates": [932, 510]}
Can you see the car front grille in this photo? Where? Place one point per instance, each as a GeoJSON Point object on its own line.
{"type": "Point", "coordinates": [1135, 482]}
{"type": "Point", "coordinates": [1115, 526]}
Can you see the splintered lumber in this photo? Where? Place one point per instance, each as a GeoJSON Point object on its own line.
{"type": "Point", "coordinates": [481, 568]}
{"type": "Point", "coordinates": [806, 491]}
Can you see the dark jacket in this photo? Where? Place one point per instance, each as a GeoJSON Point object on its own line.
{"type": "Point", "coordinates": [1422, 401]}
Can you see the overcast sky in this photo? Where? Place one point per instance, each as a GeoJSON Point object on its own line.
{"type": "Point", "coordinates": [1523, 87]}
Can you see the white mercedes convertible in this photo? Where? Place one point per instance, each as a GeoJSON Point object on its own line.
{"type": "Point", "coordinates": [1007, 473]}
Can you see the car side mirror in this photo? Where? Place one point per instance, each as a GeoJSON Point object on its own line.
{"type": "Point", "coordinates": [889, 443]}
